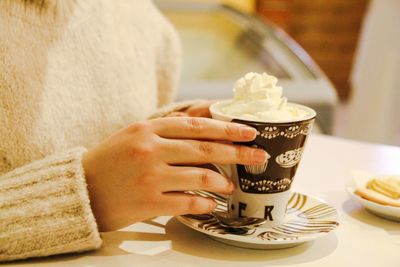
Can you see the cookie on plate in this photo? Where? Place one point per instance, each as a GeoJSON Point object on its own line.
{"type": "Point", "coordinates": [383, 190]}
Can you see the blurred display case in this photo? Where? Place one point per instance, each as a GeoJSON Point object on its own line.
{"type": "Point", "coordinates": [221, 44]}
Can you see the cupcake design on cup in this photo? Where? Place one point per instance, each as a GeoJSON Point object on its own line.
{"type": "Point", "coordinates": [284, 142]}
{"type": "Point", "coordinates": [265, 185]}
{"type": "Point", "coordinates": [256, 169]}
{"type": "Point", "coordinates": [289, 158]}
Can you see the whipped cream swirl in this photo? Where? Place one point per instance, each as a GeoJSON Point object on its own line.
{"type": "Point", "coordinates": [258, 98]}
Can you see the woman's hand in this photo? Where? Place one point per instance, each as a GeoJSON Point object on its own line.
{"type": "Point", "coordinates": [201, 109]}
{"type": "Point", "coordinates": [143, 170]}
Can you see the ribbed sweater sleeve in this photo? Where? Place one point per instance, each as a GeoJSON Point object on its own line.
{"type": "Point", "coordinates": [45, 209]}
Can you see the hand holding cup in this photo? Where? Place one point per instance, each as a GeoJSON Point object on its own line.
{"type": "Point", "coordinates": [144, 170]}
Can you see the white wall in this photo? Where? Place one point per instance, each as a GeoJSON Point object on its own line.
{"type": "Point", "coordinates": [374, 110]}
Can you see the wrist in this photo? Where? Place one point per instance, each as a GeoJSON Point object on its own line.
{"type": "Point", "coordinates": [91, 187]}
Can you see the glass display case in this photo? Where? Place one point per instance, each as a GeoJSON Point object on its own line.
{"type": "Point", "coordinates": [221, 44]}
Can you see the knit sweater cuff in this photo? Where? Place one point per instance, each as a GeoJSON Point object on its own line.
{"type": "Point", "coordinates": [178, 106]}
{"type": "Point", "coordinates": [45, 209]}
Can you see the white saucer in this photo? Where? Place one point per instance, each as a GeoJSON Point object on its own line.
{"type": "Point", "coordinates": [308, 218]}
{"type": "Point", "coordinates": [387, 212]}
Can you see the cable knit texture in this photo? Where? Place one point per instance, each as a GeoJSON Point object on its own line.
{"type": "Point", "coordinates": [71, 73]}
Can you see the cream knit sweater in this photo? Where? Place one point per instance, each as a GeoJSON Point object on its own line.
{"type": "Point", "coordinates": [71, 73]}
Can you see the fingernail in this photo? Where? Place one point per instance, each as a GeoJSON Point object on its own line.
{"type": "Point", "coordinates": [260, 156]}
{"type": "Point", "coordinates": [247, 132]}
{"type": "Point", "coordinates": [212, 205]}
{"type": "Point", "coordinates": [231, 188]}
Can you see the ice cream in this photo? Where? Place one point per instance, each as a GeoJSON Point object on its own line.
{"type": "Point", "coordinates": [258, 98]}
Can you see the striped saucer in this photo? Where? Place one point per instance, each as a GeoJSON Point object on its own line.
{"type": "Point", "coordinates": [308, 218]}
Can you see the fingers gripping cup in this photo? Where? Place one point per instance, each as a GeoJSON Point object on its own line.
{"type": "Point", "coordinates": [263, 191]}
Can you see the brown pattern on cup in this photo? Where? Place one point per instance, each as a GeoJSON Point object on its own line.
{"type": "Point", "coordinates": [284, 142]}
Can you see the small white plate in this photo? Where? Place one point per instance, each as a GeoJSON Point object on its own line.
{"type": "Point", "coordinates": [360, 180]}
{"type": "Point", "coordinates": [387, 212]}
{"type": "Point", "coordinates": [308, 218]}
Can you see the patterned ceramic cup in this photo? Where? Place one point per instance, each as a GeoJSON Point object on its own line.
{"type": "Point", "coordinates": [262, 191]}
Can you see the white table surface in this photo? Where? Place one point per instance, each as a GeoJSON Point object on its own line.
{"type": "Point", "coordinates": [362, 239]}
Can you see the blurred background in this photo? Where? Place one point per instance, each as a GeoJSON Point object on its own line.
{"type": "Point", "coordinates": [340, 57]}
